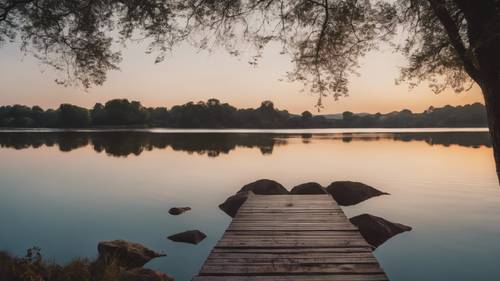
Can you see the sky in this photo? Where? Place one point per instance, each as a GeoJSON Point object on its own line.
{"type": "Point", "coordinates": [190, 75]}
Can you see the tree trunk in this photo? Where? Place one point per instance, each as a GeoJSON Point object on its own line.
{"type": "Point", "coordinates": [483, 22]}
{"type": "Point", "coordinates": [492, 101]}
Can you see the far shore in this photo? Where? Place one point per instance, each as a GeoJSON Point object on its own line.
{"type": "Point", "coordinates": [248, 131]}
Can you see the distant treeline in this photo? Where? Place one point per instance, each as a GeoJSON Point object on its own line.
{"type": "Point", "coordinates": [214, 114]}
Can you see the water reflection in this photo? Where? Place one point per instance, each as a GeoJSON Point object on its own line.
{"type": "Point", "coordinates": [123, 143]}
{"type": "Point", "coordinates": [66, 203]}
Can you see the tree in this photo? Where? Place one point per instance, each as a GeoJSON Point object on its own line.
{"type": "Point", "coordinates": [348, 117]}
{"type": "Point", "coordinates": [97, 114]}
{"type": "Point", "coordinates": [213, 102]}
{"type": "Point", "coordinates": [120, 112]}
{"type": "Point", "coordinates": [267, 106]}
{"type": "Point", "coordinates": [72, 116]}
{"type": "Point", "coordinates": [450, 43]}
{"type": "Point", "coordinates": [159, 116]}
{"type": "Point", "coordinates": [306, 116]}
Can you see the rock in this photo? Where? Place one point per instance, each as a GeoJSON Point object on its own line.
{"type": "Point", "coordinates": [234, 202]}
{"type": "Point", "coordinates": [143, 274]}
{"type": "Point", "coordinates": [191, 237]}
{"type": "Point", "coordinates": [377, 230]}
{"type": "Point", "coordinates": [125, 253]}
{"type": "Point", "coordinates": [178, 210]}
{"type": "Point", "coordinates": [261, 187]}
{"type": "Point", "coordinates": [309, 188]}
{"type": "Point", "coordinates": [265, 187]}
{"type": "Point", "coordinates": [348, 193]}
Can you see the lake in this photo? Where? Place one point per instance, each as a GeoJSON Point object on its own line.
{"type": "Point", "coordinates": [65, 191]}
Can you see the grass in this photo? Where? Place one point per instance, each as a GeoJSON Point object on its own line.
{"type": "Point", "coordinates": [32, 267]}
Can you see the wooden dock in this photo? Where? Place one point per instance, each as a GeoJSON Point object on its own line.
{"type": "Point", "coordinates": [291, 238]}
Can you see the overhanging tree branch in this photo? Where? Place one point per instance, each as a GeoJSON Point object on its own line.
{"type": "Point", "coordinates": [454, 36]}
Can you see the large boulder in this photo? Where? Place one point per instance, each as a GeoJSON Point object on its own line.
{"type": "Point", "coordinates": [234, 202]}
{"type": "Point", "coordinates": [377, 230]}
{"type": "Point", "coordinates": [178, 210]}
{"type": "Point", "coordinates": [125, 253]}
{"type": "Point", "coordinates": [190, 236]}
{"type": "Point", "coordinates": [265, 187]}
{"type": "Point", "coordinates": [261, 187]}
{"type": "Point", "coordinates": [143, 274]}
{"type": "Point", "coordinates": [348, 193]}
{"type": "Point", "coordinates": [309, 188]}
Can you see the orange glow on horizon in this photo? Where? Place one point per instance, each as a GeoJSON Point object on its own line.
{"type": "Point", "coordinates": [191, 76]}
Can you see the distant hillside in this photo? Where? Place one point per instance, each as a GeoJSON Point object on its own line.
{"type": "Point", "coordinates": [471, 115]}
{"type": "Point", "coordinates": [214, 114]}
{"type": "Point", "coordinates": [339, 116]}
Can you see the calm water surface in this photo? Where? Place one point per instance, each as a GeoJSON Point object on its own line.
{"type": "Point", "coordinates": [65, 191]}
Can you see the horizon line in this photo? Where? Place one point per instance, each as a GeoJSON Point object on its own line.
{"type": "Point", "coordinates": [293, 113]}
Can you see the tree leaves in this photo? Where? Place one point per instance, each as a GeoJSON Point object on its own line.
{"type": "Point", "coordinates": [325, 38]}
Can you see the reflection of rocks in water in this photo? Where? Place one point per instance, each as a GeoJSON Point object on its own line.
{"type": "Point", "coordinates": [127, 254]}
{"type": "Point", "coordinates": [309, 188]}
{"type": "Point", "coordinates": [377, 230]}
{"type": "Point", "coordinates": [190, 236]}
{"type": "Point", "coordinates": [348, 193]}
{"type": "Point", "coordinates": [125, 143]}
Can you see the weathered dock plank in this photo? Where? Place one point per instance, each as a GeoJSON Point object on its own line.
{"type": "Point", "coordinates": [291, 238]}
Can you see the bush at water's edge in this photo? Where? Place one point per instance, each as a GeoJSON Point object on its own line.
{"type": "Point", "coordinates": [34, 268]}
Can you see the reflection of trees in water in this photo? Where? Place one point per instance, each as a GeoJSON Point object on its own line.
{"type": "Point", "coordinates": [306, 138]}
{"type": "Point", "coordinates": [66, 141]}
{"type": "Point", "coordinates": [126, 143]}
{"type": "Point", "coordinates": [469, 139]}
{"type": "Point", "coordinates": [213, 144]}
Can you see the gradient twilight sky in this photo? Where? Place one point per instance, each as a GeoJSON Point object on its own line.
{"type": "Point", "coordinates": [189, 75]}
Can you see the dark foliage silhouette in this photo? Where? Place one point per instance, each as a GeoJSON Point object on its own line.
{"type": "Point", "coordinates": [213, 114]}
{"type": "Point", "coordinates": [34, 267]}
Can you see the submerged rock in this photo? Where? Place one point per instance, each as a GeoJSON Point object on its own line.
{"type": "Point", "coordinates": [178, 210]}
{"type": "Point", "coordinates": [190, 236]}
{"type": "Point", "coordinates": [265, 187]}
{"type": "Point", "coordinates": [234, 202]}
{"type": "Point", "coordinates": [348, 193]}
{"type": "Point", "coordinates": [144, 274]}
{"type": "Point", "coordinates": [309, 188]}
{"type": "Point", "coordinates": [125, 253]}
{"type": "Point", "coordinates": [377, 230]}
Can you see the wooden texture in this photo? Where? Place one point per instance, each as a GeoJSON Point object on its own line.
{"type": "Point", "coordinates": [291, 238]}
